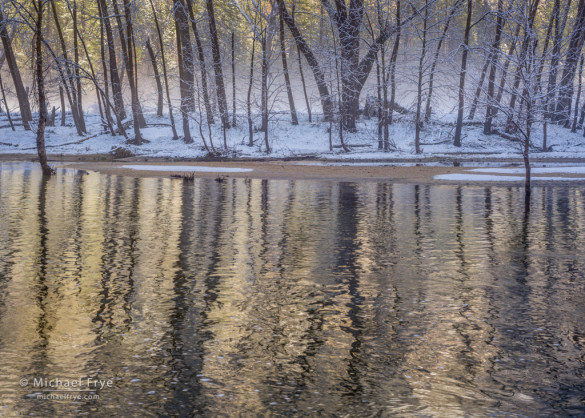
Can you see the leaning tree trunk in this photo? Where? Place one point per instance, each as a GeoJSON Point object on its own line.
{"type": "Point", "coordinates": [47, 171]}
{"type": "Point", "coordinates": [219, 84]}
{"type": "Point", "coordinates": [164, 66]}
{"type": "Point", "coordinates": [202, 67]}
{"type": "Point", "coordinates": [459, 125]}
{"type": "Point", "coordinates": [21, 95]}
{"type": "Point", "coordinates": [326, 103]}
{"type": "Point", "coordinates": [436, 59]}
{"type": "Point", "coordinates": [291, 101]}
{"type": "Point", "coordinates": [159, 89]}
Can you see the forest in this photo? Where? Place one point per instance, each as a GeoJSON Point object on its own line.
{"type": "Point", "coordinates": [510, 68]}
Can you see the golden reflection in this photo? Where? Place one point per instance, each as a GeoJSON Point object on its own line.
{"type": "Point", "coordinates": [256, 296]}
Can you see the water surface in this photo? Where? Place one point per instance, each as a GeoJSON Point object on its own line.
{"type": "Point", "coordinates": [258, 297]}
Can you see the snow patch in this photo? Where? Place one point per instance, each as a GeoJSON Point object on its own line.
{"type": "Point", "coordinates": [188, 168]}
{"type": "Point", "coordinates": [542, 170]}
{"type": "Point", "coordinates": [487, 177]}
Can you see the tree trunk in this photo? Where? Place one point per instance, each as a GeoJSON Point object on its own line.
{"type": "Point", "coordinates": [264, 99]}
{"type": "Point", "coordinates": [137, 116]}
{"type": "Point", "coordinates": [418, 122]}
{"type": "Point", "coordinates": [526, 44]}
{"type": "Point", "coordinates": [494, 53]}
{"type": "Point", "coordinates": [221, 97]}
{"type": "Point", "coordinates": [105, 73]}
{"type": "Point", "coordinates": [248, 101]}
{"type": "Point", "coordinates": [68, 80]}
{"type": "Point", "coordinates": [291, 102]}
{"type": "Point", "coordinates": [233, 80]}
{"type": "Point", "coordinates": [326, 103]}
{"type": "Point", "coordinates": [574, 127]}
{"type": "Point", "coordinates": [6, 104]}
{"type": "Point", "coordinates": [159, 89]}
{"type": "Point", "coordinates": [114, 75]}
{"type": "Point", "coordinates": [76, 70]}
{"type": "Point", "coordinates": [63, 112]}
{"type": "Point", "coordinates": [457, 139]}
{"type": "Point", "coordinates": [202, 67]}
{"type": "Point", "coordinates": [304, 85]}
{"type": "Point", "coordinates": [23, 101]}
{"type": "Point", "coordinates": [47, 171]}
{"type": "Point", "coordinates": [393, 59]}
{"type": "Point", "coordinates": [164, 65]}
{"type": "Point", "coordinates": [563, 108]}
{"type": "Point", "coordinates": [436, 59]}
{"type": "Point", "coordinates": [185, 70]}
{"type": "Point", "coordinates": [478, 89]}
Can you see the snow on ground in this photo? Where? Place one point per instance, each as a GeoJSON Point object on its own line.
{"type": "Point", "coordinates": [188, 168]}
{"type": "Point", "coordinates": [306, 139]}
{"type": "Point", "coordinates": [468, 177]}
{"type": "Point", "coordinates": [541, 170]}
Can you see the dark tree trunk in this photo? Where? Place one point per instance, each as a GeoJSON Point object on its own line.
{"type": "Point", "coordinates": [418, 122]}
{"type": "Point", "coordinates": [137, 116]}
{"type": "Point", "coordinates": [63, 112]}
{"type": "Point", "coordinates": [304, 85]}
{"type": "Point", "coordinates": [462, 74]}
{"type": "Point", "coordinates": [233, 80]}
{"type": "Point", "coordinates": [291, 101]}
{"type": "Point", "coordinates": [105, 73]}
{"type": "Point", "coordinates": [326, 103]}
{"type": "Point", "coordinates": [354, 72]}
{"type": "Point", "coordinates": [504, 76]}
{"type": "Point", "coordinates": [159, 89]}
{"type": "Point", "coordinates": [185, 68]}
{"type": "Point", "coordinates": [164, 65]}
{"type": "Point", "coordinates": [47, 171]}
{"type": "Point", "coordinates": [265, 91]}
{"type": "Point", "coordinates": [76, 70]}
{"type": "Point", "coordinates": [494, 53]}
{"type": "Point", "coordinates": [21, 95]}
{"type": "Point", "coordinates": [436, 59]}
{"type": "Point", "coordinates": [393, 59]}
{"type": "Point", "coordinates": [264, 99]}
{"type": "Point", "coordinates": [478, 89]}
{"type": "Point", "coordinates": [68, 79]}
{"type": "Point", "coordinates": [202, 66]}
{"type": "Point", "coordinates": [248, 101]}
{"type": "Point", "coordinates": [574, 127]}
{"type": "Point", "coordinates": [219, 84]}
{"type": "Point", "coordinates": [563, 108]}
{"type": "Point", "coordinates": [114, 75]}
{"type": "Point", "coordinates": [526, 45]}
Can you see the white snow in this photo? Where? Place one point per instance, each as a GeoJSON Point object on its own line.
{"type": "Point", "coordinates": [487, 177]}
{"type": "Point", "coordinates": [188, 168]}
{"type": "Point", "coordinates": [304, 140]}
{"type": "Point", "coordinates": [541, 170]}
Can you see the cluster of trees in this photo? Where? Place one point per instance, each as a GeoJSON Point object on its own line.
{"type": "Point", "coordinates": [512, 65]}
